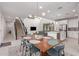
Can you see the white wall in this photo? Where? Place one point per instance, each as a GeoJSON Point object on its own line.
{"type": "Point", "coordinates": [2, 28]}
{"type": "Point", "coordinates": [73, 23]}
{"type": "Point", "coordinates": [10, 27]}
{"type": "Point", "coordinates": [31, 22]}
{"type": "Point", "coordinates": [35, 22]}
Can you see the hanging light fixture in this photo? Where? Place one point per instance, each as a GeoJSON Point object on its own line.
{"type": "Point", "coordinates": [43, 14]}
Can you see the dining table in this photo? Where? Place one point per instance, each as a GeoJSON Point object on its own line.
{"type": "Point", "coordinates": [44, 43]}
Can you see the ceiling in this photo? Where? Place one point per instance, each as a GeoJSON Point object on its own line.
{"type": "Point", "coordinates": [49, 10]}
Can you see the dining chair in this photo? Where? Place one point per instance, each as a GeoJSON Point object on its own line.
{"type": "Point", "coordinates": [29, 49]}
{"type": "Point", "coordinates": [57, 51]}
{"type": "Point", "coordinates": [35, 51]}
{"type": "Point", "coordinates": [26, 47]}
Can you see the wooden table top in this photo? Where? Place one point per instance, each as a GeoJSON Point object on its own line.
{"type": "Point", "coordinates": [43, 45]}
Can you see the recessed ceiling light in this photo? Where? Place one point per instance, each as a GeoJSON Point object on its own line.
{"type": "Point", "coordinates": [29, 15]}
{"type": "Point", "coordinates": [40, 7]}
{"type": "Point", "coordinates": [73, 10]}
{"type": "Point", "coordinates": [43, 14]}
{"type": "Point", "coordinates": [48, 11]}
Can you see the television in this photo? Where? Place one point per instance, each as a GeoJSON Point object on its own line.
{"type": "Point", "coordinates": [33, 28]}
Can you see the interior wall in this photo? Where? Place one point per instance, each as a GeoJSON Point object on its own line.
{"type": "Point", "coordinates": [38, 23]}
{"type": "Point", "coordinates": [10, 27]}
{"type": "Point", "coordinates": [73, 24]}
{"type": "Point", "coordinates": [2, 28]}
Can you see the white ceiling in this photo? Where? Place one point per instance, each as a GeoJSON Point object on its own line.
{"type": "Point", "coordinates": [23, 9]}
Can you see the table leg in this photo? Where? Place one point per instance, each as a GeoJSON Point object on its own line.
{"type": "Point", "coordinates": [43, 53]}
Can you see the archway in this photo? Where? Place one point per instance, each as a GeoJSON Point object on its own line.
{"type": "Point", "coordinates": [19, 28]}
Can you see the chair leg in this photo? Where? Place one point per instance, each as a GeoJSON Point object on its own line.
{"type": "Point", "coordinates": [61, 53]}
